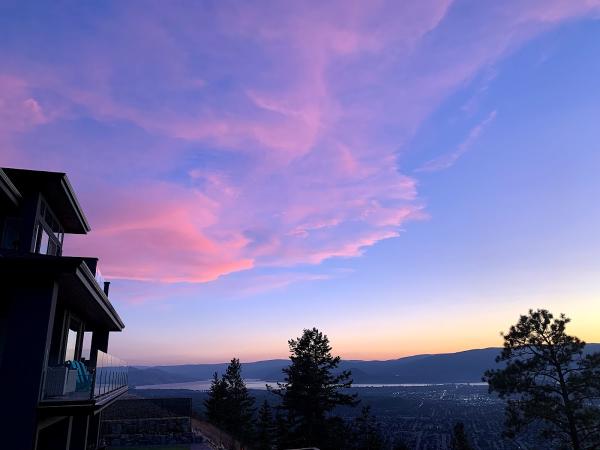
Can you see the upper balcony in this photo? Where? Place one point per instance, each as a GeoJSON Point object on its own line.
{"type": "Point", "coordinates": [81, 384]}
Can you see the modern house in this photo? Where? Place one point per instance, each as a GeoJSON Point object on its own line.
{"type": "Point", "coordinates": [56, 376]}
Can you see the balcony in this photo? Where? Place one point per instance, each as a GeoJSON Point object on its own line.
{"type": "Point", "coordinates": [77, 384]}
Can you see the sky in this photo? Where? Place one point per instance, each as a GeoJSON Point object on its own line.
{"type": "Point", "coordinates": [409, 177]}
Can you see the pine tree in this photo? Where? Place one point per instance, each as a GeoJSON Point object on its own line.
{"type": "Point", "coordinates": [239, 405]}
{"type": "Point", "coordinates": [459, 438]}
{"type": "Point", "coordinates": [311, 390]}
{"type": "Point", "coordinates": [282, 427]}
{"type": "Point", "coordinates": [367, 435]}
{"type": "Point", "coordinates": [548, 382]}
{"type": "Point", "coordinates": [265, 428]}
{"type": "Point", "coordinates": [215, 403]}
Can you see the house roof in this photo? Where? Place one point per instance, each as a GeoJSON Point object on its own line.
{"type": "Point", "coordinates": [9, 194]}
{"type": "Point", "coordinates": [56, 189]}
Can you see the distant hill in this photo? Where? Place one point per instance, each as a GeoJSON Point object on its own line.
{"type": "Point", "coordinates": [152, 375]}
{"type": "Point", "coordinates": [461, 367]}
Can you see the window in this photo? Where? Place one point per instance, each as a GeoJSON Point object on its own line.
{"type": "Point", "coordinates": [86, 347]}
{"type": "Point", "coordinates": [44, 239]}
{"type": "Point", "coordinates": [49, 233]}
{"type": "Point", "coordinates": [71, 345]}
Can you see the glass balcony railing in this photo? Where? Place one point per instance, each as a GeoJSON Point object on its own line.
{"type": "Point", "coordinates": [110, 374]}
{"type": "Point", "coordinates": [99, 278]}
{"type": "Point", "coordinates": [76, 381]}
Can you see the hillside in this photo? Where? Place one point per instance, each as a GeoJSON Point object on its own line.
{"type": "Point", "coordinates": [461, 367]}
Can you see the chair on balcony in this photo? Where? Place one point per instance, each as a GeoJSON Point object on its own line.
{"type": "Point", "coordinates": [84, 377]}
{"type": "Point", "coordinates": [60, 381]}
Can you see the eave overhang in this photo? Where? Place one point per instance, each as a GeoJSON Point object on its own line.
{"type": "Point", "coordinates": [77, 285]}
{"type": "Point", "coordinates": [58, 192]}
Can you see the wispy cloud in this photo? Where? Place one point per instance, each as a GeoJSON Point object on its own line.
{"type": "Point", "coordinates": [206, 141]}
{"type": "Point", "coordinates": [448, 160]}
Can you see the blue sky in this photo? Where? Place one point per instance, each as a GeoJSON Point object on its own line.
{"type": "Point", "coordinates": [408, 179]}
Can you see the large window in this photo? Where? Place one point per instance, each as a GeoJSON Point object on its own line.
{"type": "Point", "coordinates": [86, 346]}
{"type": "Point", "coordinates": [73, 343]}
{"type": "Point", "coordinates": [49, 234]}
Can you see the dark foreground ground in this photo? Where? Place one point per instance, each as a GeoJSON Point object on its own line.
{"type": "Point", "coordinates": [422, 416]}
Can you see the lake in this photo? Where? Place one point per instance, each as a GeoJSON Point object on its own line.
{"type": "Point", "coordinates": [204, 385]}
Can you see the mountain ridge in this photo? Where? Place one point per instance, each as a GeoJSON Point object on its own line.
{"type": "Point", "coordinates": [466, 366]}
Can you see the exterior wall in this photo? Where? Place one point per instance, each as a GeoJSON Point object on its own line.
{"type": "Point", "coordinates": [30, 317]}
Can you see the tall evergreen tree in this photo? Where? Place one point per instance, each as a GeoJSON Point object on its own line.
{"type": "Point", "coordinates": [239, 405]}
{"type": "Point", "coordinates": [548, 382]}
{"type": "Point", "coordinates": [366, 432]}
{"type": "Point", "coordinates": [215, 404]}
{"type": "Point", "coordinates": [459, 438]}
{"type": "Point", "coordinates": [312, 390]}
{"type": "Point", "coordinates": [282, 427]}
{"type": "Point", "coordinates": [265, 428]}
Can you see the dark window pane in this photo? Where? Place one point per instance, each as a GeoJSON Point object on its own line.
{"type": "Point", "coordinates": [11, 235]}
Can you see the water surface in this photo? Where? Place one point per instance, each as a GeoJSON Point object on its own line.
{"type": "Point", "coordinates": [204, 385]}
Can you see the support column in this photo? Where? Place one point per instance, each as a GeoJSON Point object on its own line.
{"type": "Point", "coordinates": [94, 430]}
{"type": "Point", "coordinates": [79, 433]}
{"type": "Point", "coordinates": [99, 342]}
{"type": "Point", "coordinates": [30, 319]}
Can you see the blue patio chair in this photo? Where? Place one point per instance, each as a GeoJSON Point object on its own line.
{"type": "Point", "coordinates": [84, 378]}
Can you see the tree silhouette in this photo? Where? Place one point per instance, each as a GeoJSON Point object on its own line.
{"type": "Point", "coordinates": [459, 438]}
{"type": "Point", "coordinates": [282, 427]}
{"type": "Point", "coordinates": [548, 383]}
{"type": "Point", "coordinates": [265, 428]}
{"type": "Point", "coordinates": [367, 435]}
{"type": "Point", "coordinates": [311, 390]}
{"type": "Point", "coordinates": [215, 402]}
{"type": "Point", "coordinates": [239, 405]}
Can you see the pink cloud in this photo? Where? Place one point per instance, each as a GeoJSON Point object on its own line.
{"type": "Point", "coordinates": [160, 236]}
{"type": "Point", "coordinates": [19, 111]}
{"type": "Point", "coordinates": [274, 130]}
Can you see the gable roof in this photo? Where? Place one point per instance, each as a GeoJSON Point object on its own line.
{"type": "Point", "coordinates": [58, 192]}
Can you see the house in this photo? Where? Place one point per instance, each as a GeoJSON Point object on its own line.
{"type": "Point", "coordinates": [56, 376]}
